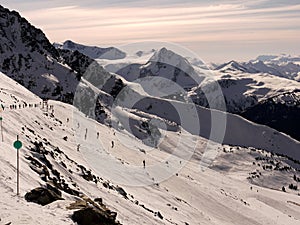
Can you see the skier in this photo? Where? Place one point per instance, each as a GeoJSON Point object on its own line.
{"type": "Point", "coordinates": [144, 164]}
{"type": "Point", "coordinates": [85, 136]}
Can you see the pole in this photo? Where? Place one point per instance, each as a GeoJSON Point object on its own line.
{"type": "Point", "coordinates": [1, 130]}
{"type": "Point", "coordinates": [18, 186]}
{"type": "Point", "coordinates": [18, 145]}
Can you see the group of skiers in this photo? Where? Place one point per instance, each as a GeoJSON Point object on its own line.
{"type": "Point", "coordinates": [23, 105]}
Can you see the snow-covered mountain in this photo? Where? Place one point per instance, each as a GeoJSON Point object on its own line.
{"type": "Point", "coordinates": [278, 59]}
{"type": "Point", "coordinates": [141, 53]}
{"type": "Point", "coordinates": [55, 157]}
{"type": "Point", "coordinates": [166, 64]}
{"type": "Point", "coordinates": [284, 66]}
{"type": "Point", "coordinates": [76, 61]}
{"type": "Point", "coordinates": [233, 66]}
{"type": "Point", "coordinates": [141, 152]}
{"type": "Point", "coordinates": [242, 90]}
{"type": "Point", "coordinates": [254, 96]}
{"type": "Point", "coordinates": [28, 57]}
{"type": "Point", "coordinates": [140, 58]}
{"type": "Point", "coordinates": [93, 52]}
{"type": "Point", "coordinates": [280, 112]}
{"type": "Point", "coordinates": [243, 84]}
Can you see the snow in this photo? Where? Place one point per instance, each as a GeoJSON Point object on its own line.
{"type": "Point", "coordinates": [243, 90]}
{"type": "Point", "coordinates": [93, 52]}
{"type": "Point", "coordinates": [285, 66]}
{"type": "Point", "coordinates": [197, 165]}
{"type": "Point", "coordinates": [163, 63]}
{"type": "Point", "coordinates": [114, 65]}
{"type": "Point", "coordinates": [193, 196]}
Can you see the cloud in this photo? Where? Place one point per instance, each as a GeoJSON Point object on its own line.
{"type": "Point", "coordinates": [117, 22]}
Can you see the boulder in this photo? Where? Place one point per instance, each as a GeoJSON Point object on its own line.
{"type": "Point", "coordinates": [43, 195]}
{"type": "Point", "coordinates": [122, 192]}
{"type": "Point", "coordinates": [94, 216]}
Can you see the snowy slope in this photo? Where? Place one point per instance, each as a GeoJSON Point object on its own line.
{"type": "Point", "coordinates": [219, 126]}
{"type": "Point", "coordinates": [186, 179]}
{"type": "Point", "coordinates": [117, 64]}
{"type": "Point", "coordinates": [262, 97]}
{"type": "Point", "coordinates": [242, 90]}
{"type": "Point", "coordinates": [190, 197]}
{"type": "Point", "coordinates": [149, 99]}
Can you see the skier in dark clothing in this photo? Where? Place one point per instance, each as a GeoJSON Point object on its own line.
{"type": "Point", "coordinates": [85, 136]}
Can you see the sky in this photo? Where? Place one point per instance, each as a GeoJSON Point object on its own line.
{"type": "Point", "coordinates": [216, 30]}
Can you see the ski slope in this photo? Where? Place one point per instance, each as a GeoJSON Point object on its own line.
{"type": "Point", "coordinates": [189, 196]}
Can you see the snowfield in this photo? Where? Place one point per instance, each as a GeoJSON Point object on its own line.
{"type": "Point", "coordinates": [152, 137]}
{"type": "Point", "coordinates": [190, 196]}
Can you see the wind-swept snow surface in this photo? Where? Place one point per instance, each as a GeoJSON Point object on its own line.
{"type": "Point", "coordinates": [136, 147]}
{"type": "Point", "coordinates": [190, 196]}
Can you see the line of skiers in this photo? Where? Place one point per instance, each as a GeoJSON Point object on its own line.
{"type": "Point", "coordinates": [23, 105]}
{"type": "Point", "coordinates": [43, 105]}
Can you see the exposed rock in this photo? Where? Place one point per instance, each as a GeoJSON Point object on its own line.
{"type": "Point", "coordinates": [43, 196]}
{"type": "Point", "coordinates": [93, 216]}
{"type": "Point", "coordinates": [121, 192]}
{"type": "Point", "coordinates": [99, 201]}
{"type": "Point", "coordinates": [76, 60]}
{"type": "Point", "coordinates": [92, 212]}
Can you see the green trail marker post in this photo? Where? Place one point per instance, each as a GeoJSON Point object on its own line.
{"type": "Point", "coordinates": [18, 145]}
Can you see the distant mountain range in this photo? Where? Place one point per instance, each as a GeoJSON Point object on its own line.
{"type": "Point", "coordinates": [151, 137]}
{"type": "Point", "coordinates": [54, 72]}
{"type": "Point", "coordinates": [285, 66]}
{"type": "Point", "coordinates": [93, 52]}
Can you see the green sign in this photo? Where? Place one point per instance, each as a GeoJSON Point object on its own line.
{"type": "Point", "coordinates": [17, 144]}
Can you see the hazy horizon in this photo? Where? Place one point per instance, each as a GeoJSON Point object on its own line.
{"type": "Point", "coordinates": [218, 31]}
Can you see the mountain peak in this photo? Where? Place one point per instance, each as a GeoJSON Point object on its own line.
{"type": "Point", "coordinates": [18, 33]}
{"type": "Point", "coordinates": [165, 51]}
{"type": "Point", "coordinates": [94, 52]}
{"type": "Point", "coordinates": [70, 44]}
{"type": "Point", "coordinates": [265, 57]}
{"type": "Point", "coordinates": [232, 65]}
{"type": "Point", "coordinates": [280, 58]}
{"type": "Point", "coordinates": [167, 56]}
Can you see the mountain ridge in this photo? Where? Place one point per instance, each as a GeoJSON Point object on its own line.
{"type": "Point", "coordinates": [93, 52]}
{"type": "Point", "coordinates": [129, 153]}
